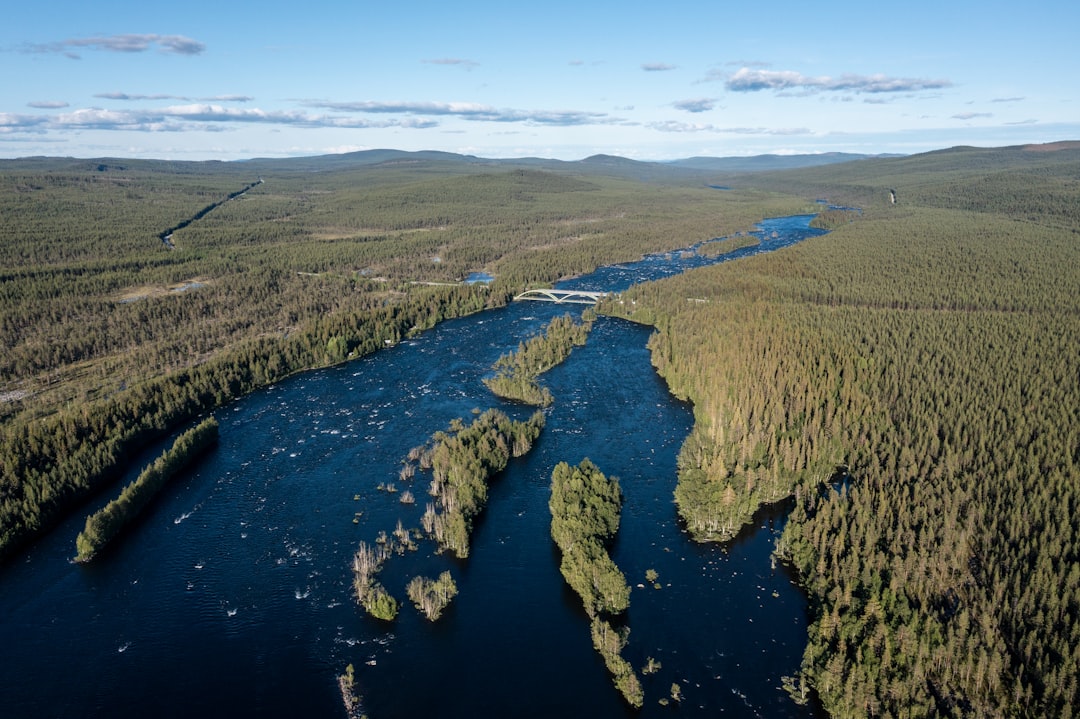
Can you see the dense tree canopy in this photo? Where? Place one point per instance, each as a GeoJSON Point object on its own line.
{"type": "Point", "coordinates": [585, 510]}
{"type": "Point", "coordinates": [926, 351]}
{"type": "Point", "coordinates": [105, 524]}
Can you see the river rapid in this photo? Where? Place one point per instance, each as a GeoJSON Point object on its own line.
{"type": "Point", "coordinates": [232, 595]}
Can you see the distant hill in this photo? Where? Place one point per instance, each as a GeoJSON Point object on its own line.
{"type": "Point", "coordinates": [1039, 178]}
{"type": "Point", "coordinates": [611, 165]}
{"type": "Point", "coordinates": [791, 172]}
{"type": "Point", "coordinates": [762, 163]}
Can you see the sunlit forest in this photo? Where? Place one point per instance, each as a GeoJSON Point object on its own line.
{"type": "Point", "coordinates": [910, 381]}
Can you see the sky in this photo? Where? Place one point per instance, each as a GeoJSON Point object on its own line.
{"type": "Point", "coordinates": [230, 80]}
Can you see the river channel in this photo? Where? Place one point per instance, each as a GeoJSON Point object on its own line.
{"type": "Point", "coordinates": [232, 595]}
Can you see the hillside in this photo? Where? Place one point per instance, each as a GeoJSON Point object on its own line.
{"type": "Point", "coordinates": [1039, 180]}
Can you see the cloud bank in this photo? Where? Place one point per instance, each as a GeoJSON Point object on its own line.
{"type": "Point", "coordinates": [169, 44]}
{"type": "Point", "coordinates": [469, 111]}
{"type": "Point", "coordinates": [215, 116]}
{"type": "Point", "coordinates": [197, 116]}
{"type": "Point", "coordinates": [756, 80]}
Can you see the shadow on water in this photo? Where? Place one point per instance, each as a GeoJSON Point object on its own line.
{"type": "Point", "coordinates": [232, 596]}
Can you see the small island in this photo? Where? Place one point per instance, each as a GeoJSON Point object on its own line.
{"type": "Point", "coordinates": [585, 513]}
{"type": "Point", "coordinates": [516, 373]}
{"type": "Point", "coordinates": [461, 465]}
{"type": "Point", "coordinates": [109, 521]}
{"type": "Point", "coordinates": [349, 697]}
{"type": "Point", "coordinates": [432, 596]}
{"type": "Point", "coordinates": [367, 562]}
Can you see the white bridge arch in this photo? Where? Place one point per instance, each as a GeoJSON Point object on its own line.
{"type": "Point", "coordinates": [576, 297]}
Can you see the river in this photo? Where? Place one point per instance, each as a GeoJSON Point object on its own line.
{"type": "Point", "coordinates": [232, 595]}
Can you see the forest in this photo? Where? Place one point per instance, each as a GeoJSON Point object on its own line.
{"type": "Point", "coordinates": [910, 382]}
{"type": "Point", "coordinates": [114, 339]}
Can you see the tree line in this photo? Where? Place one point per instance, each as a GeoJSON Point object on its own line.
{"type": "Point", "coordinates": [53, 461]}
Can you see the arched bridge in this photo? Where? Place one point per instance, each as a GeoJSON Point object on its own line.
{"type": "Point", "coordinates": [576, 297]}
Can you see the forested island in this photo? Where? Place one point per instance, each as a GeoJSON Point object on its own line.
{"type": "Point", "coordinates": [908, 381]}
{"type": "Point", "coordinates": [585, 510]}
{"type": "Point", "coordinates": [516, 373]}
{"type": "Point", "coordinates": [585, 507]}
{"type": "Point", "coordinates": [462, 462]}
{"type": "Point", "coordinates": [105, 524]}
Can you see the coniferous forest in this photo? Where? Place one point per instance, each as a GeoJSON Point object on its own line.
{"type": "Point", "coordinates": [912, 379]}
{"type": "Point", "coordinates": [909, 381]}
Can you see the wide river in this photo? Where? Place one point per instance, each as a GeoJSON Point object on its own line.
{"type": "Point", "coordinates": [232, 595]}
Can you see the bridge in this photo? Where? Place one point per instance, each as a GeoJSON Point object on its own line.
{"type": "Point", "coordinates": [575, 297]}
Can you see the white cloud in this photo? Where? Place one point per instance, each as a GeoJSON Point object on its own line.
{"type": "Point", "coordinates": [753, 80]}
{"type": "Point", "coordinates": [693, 127]}
{"type": "Point", "coordinates": [469, 111]}
{"type": "Point", "coordinates": [170, 44]}
{"type": "Point", "coordinates": [701, 104]}
{"type": "Point", "coordinates": [674, 126]}
{"type": "Point", "coordinates": [137, 97]}
{"type": "Point", "coordinates": [200, 116]}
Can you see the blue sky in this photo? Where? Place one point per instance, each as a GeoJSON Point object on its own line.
{"type": "Point", "coordinates": [655, 81]}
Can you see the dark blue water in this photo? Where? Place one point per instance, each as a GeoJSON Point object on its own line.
{"type": "Point", "coordinates": [232, 597]}
{"type": "Point", "coordinates": [775, 233]}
